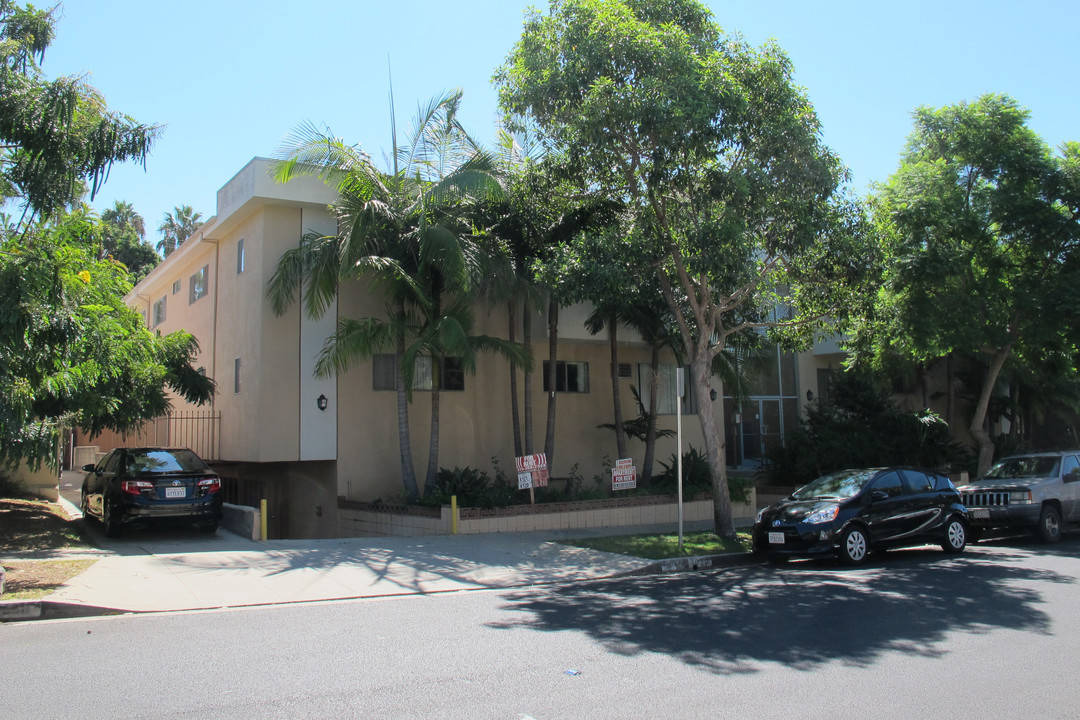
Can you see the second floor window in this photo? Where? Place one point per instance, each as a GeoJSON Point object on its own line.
{"type": "Point", "coordinates": [199, 285]}
{"type": "Point", "coordinates": [159, 312]}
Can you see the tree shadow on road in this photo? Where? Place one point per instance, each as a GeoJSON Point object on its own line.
{"type": "Point", "coordinates": [803, 614]}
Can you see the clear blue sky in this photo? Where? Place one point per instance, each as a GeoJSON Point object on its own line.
{"type": "Point", "coordinates": [231, 79]}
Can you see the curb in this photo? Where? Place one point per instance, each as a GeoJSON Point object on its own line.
{"type": "Point", "coordinates": [695, 562]}
{"type": "Point", "coordinates": [23, 610]}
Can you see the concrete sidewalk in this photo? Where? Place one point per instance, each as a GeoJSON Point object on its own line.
{"type": "Point", "coordinates": [154, 571]}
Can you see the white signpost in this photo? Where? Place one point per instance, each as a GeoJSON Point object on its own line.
{"type": "Point", "coordinates": [624, 475]}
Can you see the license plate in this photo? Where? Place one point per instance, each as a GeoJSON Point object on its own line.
{"type": "Point", "coordinates": [175, 492]}
{"type": "Point", "coordinates": [980, 513]}
{"type": "Point", "coordinates": [776, 538]}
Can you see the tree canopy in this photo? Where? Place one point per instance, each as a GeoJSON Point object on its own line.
{"type": "Point", "coordinates": [715, 153]}
{"type": "Point", "coordinates": [55, 135]}
{"type": "Point", "coordinates": [979, 231]}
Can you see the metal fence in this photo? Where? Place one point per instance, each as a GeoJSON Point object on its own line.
{"type": "Point", "coordinates": [196, 429]}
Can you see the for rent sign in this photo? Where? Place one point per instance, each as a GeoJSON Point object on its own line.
{"type": "Point", "coordinates": [532, 471]}
{"type": "Point", "coordinates": [624, 475]}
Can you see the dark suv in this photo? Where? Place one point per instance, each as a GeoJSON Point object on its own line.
{"type": "Point", "coordinates": [1035, 491]}
{"type": "Point", "coordinates": [151, 484]}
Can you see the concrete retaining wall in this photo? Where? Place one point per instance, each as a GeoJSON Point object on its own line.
{"type": "Point", "coordinates": [242, 520]}
{"type": "Point", "coordinates": [365, 520]}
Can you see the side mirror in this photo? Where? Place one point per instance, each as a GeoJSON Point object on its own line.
{"type": "Point", "coordinates": [879, 496]}
{"type": "Point", "coordinates": [89, 468]}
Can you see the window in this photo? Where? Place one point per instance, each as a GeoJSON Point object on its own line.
{"type": "Point", "coordinates": [236, 375]}
{"type": "Point", "coordinates": [159, 312]}
{"type": "Point", "coordinates": [384, 373]}
{"type": "Point", "coordinates": [1071, 469]}
{"type": "Point", "coordinates": [666, 389]}
{"type": "Point", "coordinates": [890, 484]}
{"type": "Point", "coordinates": [918, 481]}
{"type": "Point", "coordinates": [240, 256]}
{"type": "Point", "coordinates": [626, 370]}
{"type": "Point", "coordinates": [570, 376]}
{"type": "Point", "coordinates": [198, 284]}
{"type": "Point", "coordinates": [175, 287]}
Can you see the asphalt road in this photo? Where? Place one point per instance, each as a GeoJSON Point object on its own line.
{"type": "Point", "coordinates": [992, 633]}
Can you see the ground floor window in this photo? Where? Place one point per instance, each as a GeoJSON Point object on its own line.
{"type": "Point", "coordinates": [451, 374]}
{"type": "Point", "coordinates": [570, 376]}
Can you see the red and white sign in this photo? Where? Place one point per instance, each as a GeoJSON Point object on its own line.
{"type": "Point", "coordinates": [624, 475]}
{"type": "Point", "coordinates": [532, 471]}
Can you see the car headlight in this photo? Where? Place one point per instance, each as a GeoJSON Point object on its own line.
{"type": "Point", "coordinates": [760, 512]}
{"type": "Point", "coordinates": [1020, 497]}
{"type": "Point", "coordinates": [824, 515]}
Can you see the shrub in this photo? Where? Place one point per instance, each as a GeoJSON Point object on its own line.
{"type": "Point", "coordinates": [861, 426]}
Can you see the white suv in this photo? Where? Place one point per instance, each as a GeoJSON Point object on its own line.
{"type": "Point", "coordinates": [1038, 491]}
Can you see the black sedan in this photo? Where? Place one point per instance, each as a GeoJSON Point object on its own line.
{"type": "Point", "coordinates": [140, 485]}
{"type": "Point", "coordinates": [853, 512]}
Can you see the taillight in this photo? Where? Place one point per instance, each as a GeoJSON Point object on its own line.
{"type": "Point", "coordinates": [210, 484]}
{"type": "Point", "coordinates": [135, 487]}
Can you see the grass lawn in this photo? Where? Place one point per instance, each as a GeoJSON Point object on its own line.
{"type": "Point", "coordinates": [664, 546]}
{"type": "Point", "coordinates": [27, 524]}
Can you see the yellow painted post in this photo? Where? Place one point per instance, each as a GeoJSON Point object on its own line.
{"type": "Point", "coordinates": [453, 514]}
{"type": "Point", "coordinates": [262, 517]}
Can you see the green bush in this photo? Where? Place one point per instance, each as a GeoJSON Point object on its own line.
{"type": "Point", "coordinates": [697, 478]}
{"type": "Point", "coordinates": [861, 426]}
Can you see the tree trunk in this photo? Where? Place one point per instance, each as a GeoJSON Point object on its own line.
{"type": "Point", "coordinates": [713, 437]}
{"type": "Point", "coordinates": [433, 447]}
{"type": "Point", "coordinates": [511, 307]}
{"type": "Point", "coordinates": [620, 435]}
{"type": "Point", "coordinates": [650, 432]}
{"type": "Point", "coordinates": [553, 347]}
{"type": "Point", "coordinates": [408, 474]}
{"type": "Point", "coordinates": [526, 330]}
{"type": "Point", "coordinates": [978, 428]}
{"type": "Point", "coordinates": [950, 394]}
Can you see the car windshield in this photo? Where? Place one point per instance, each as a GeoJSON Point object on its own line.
{"type": "Point", "coordinates": [165, 461]}
{"type": "Point", "coordinates": [1025, 467]}
{"type": "Point", "coordinates": [839, 485]}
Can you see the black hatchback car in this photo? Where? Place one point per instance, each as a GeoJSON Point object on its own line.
{"type": "Point", "coordinates": [151, 484]}
{"type": "Point", "coordinates": [853, 512]}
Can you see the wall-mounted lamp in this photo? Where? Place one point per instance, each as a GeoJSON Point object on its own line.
{"type": "Point", "coordinates": [712, 393]}
{"type": "Point", "coordinates": [809, 395]}
{"type": "Point", "coordinates": [322, 402]}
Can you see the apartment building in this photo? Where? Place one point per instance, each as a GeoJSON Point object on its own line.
{"type": "Point", "coordinates": [281, 434]}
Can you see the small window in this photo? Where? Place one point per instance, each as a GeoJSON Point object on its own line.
{"type": "Point", "coordinates": [240, 256]}
{"type": "Point", "coordinates": [626, 370]}
{"type": "Point", "coordinates": [1070, 470]}
{"type": "Point", "coordinates": [890, 484]}
{"type": "Point", "coordinates": [918, 481]}
{"type": "Point", "coordinates": [384, 373]}
{"type": "Point", "coordinates": [236, 375]}
{"type": "Point", "coordinates": [667, 389]}
{"type": "Point", "coordinates": [570, 376]}
{"type": "Point", "coordinates": [175, 287]}
{"type": "Point", "coordinates": [159, 312]}
{"type": "Point", "coordinates": [199, 286]}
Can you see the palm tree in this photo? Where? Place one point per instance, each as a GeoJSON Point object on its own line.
{"type": "Point", "coordinates": [176, 227]}
{"type": "Point", "coordinates": [123, 214]}
{"type": "Point", "coordinates": [407, 230]}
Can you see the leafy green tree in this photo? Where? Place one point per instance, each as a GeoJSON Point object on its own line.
{"type": "Point", "coordinates": [176, 227]}
{"type": "Point", "coordinates": [124, 238]}
{"type": "Point", "coordinates": [71, 351]}
{"type": "Point", "coordinates": [717, 156]}
{"type": "Point", "coordinates": [55, 135]}
{"type": "Point", "coordinates": [979, 228]}
{"type": "Point", "coordinates": [408, 231]}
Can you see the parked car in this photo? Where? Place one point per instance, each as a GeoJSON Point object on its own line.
{"type": "Point", "coordinates": [853, 512]}
{"type": "Point", "coordinates": [151, 484]}
{"type": "Point", "coordinates": [1035, 491]}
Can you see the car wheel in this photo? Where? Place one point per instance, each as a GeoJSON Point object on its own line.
{"type": "Point", "coordinates": [1049, 527]}
{"type": "Point", "coordinates": [84, 503]}
{"type": "Point", "coordinates": [854, 546]}
{"type": "Point", "coordinates": [209, 527]}
{"type": "Point", "coordinates": [109, 521]}
{"type": "Point", "coordinates": [955, 536]}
